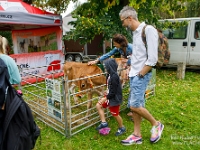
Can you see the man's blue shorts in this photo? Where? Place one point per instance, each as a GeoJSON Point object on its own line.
{"type": "Point", "coordinates": [138, 87]}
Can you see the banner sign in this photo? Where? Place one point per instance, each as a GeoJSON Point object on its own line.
{"type": "Point", "coordinates": [53, 98]}
{"type": "Point", "coordinates": [37, 40]}
{"type": "Point", "coordinates": [35, 48]}
{"type": "Point", "coordinates": [39, 63]}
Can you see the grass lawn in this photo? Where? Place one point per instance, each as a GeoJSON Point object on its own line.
{"type": "Point", "coordinates": [176, 105]}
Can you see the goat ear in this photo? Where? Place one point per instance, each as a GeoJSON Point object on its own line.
{"type": "Point", "coordinates": [69, 68]}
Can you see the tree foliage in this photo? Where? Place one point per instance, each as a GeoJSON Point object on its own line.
{"type": "Point", "coordinates": [57, 6]}
{"type": "Point", "coordinates": [95, 18]}
{"type": "Point", "coordinates": [7, 34]}
{"type": "Point", "coordinates": [102, 17]}
{"type": "Point", "coordinates": [193, 9]}
{"type": "Point", "coordinates": [28, 1]}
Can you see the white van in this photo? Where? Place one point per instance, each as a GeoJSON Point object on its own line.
{"type": "Point", "coordinates": [184, 42]}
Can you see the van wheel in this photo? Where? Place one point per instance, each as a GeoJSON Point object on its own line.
{"type": "Point", "coordinates": [78, 58]}
{"type": "Point", "coordinates": [69, 58]}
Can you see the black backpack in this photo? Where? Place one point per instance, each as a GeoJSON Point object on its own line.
{"type": "Point", "coordinates": [20, 131]}
{"type": "Point", "coordinates": [3, 90]}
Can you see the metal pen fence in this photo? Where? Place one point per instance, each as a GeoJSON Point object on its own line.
{"type": "Point", "coordinates": [52, 101]}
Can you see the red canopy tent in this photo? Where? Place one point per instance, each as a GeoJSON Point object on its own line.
{"type": "Point", "coordinates": [36, 35]}
{"type": "Point", "coordinates": [16, 15]}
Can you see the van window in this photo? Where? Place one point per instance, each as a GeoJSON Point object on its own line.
{"type": "Point", "coordinates": [178, 33]}
{"type": "Point", "coordinates": [197, 31]}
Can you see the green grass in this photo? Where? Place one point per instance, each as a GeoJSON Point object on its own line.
{"type": "Point", "coordinates": [176, 105]}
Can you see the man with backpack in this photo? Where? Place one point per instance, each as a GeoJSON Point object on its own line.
{"type": "Point", "coordinates": [144, 58]}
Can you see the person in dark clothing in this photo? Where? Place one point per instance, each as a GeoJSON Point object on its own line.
{"type": "Point", "coordinates": [13, 75]}
{"type": "Point", "coordinates": [112, 98]}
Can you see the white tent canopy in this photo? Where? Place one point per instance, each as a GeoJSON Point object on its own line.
{"type": "Point", "coordinates": [18, 15]}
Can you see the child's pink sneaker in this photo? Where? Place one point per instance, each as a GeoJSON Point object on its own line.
{"type": "Point", "coordinates": [104, 131]}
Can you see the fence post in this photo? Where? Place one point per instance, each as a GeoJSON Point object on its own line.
{"type": "Point", "coordinates": [65, 107]}
{"type": "Point", "coordinates": [181, 70]}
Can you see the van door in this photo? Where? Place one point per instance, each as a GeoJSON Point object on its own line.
{"type": "Point", "coordinates": [178, 43]}
{"type": "Point", "coordinates": [194, 43]}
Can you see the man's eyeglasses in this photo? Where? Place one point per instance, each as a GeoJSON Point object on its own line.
{"type": "Point", "coordinates": [123, 20]}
